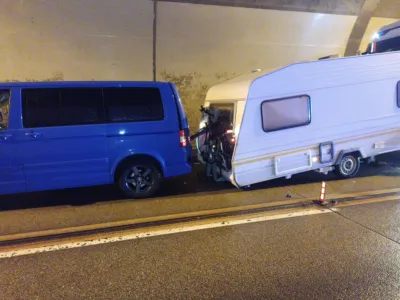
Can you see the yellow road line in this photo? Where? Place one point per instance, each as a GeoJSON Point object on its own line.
{"type": "Point", "coordinates": [244, 208]}
{"type": "Point", "coordinates": [157, 231]}
{"type": "Point", "coordinates": [367, 201]}
{"type": "Point", "coordinates": [187, 226]}
{"type": "Point", "coordinates": [147, 220]}
{"type": "Point", "coordinates": [360, 194]}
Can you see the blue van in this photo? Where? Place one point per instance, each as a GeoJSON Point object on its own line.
{"type": "Point", "coordinates": [57, 135]}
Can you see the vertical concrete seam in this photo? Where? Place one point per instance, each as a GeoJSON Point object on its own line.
{"type": "Point", "coordinates": [360, 26]}
{"type": "Point", "coordinates": [154, 40]}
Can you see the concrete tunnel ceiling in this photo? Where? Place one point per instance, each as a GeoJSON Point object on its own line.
{"type": "Point", "coordinates": [363, 9]}
{"type": "Point", "coordinates": [386, 8]}
{"type": "Point", "coordinates": [344, 7]}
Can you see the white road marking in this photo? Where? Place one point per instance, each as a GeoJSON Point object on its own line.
{"type": "Point", "coordinates": [165, 231]}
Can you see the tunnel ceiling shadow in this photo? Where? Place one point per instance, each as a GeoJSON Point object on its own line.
{"type": "Point", "coordinates": [386, 8]}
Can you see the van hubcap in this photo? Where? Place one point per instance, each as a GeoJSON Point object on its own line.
{"type": "Point", "coordinates": [139, 179]}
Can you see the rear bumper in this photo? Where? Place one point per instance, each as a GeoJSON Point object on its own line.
{"type": "Point", "coordinates": [178, 170]}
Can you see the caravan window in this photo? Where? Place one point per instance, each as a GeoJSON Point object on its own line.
{"type": "Point", "coordinates": [285, 113]}
{"type": "Point", "coordinates": [398, 93]}
{"type": "Point", "coordinates": [224, 112]}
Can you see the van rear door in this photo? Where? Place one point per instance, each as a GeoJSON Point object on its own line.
{"type": "Point", "coordinates": [183, 122]}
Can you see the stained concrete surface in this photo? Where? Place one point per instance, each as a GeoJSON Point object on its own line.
{"type": "Point", "coordinates": [87, 206]}
{"type": "Point", "coordinates": [315, 257]}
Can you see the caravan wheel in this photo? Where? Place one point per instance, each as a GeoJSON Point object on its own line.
{"type": "Point", "coordinates": [348, 166]}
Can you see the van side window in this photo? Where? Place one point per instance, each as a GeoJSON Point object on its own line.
{"type": "Point", "coordinates": [62, 107]}
{"type": "Point", "coordinates": [4, 108]}
{"type": "Point", "coordinates": [41, 108]}
{"type": "Point", "coordinates": [285, 113]}
{"type": "Point", "coordinates": [82, 106]}
{"type": "Point", "coordinates": [133, 104]}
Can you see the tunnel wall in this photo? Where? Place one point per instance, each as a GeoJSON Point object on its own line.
{"type": "Point", "coordinates": [197, 45]}
{"type": "Point", "coordinates": [76, 40]}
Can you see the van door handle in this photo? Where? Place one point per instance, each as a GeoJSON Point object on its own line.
{"type": "Point", "coordinates": [5, 136]}
{"type": "Point", "coordinates": [33, 135]}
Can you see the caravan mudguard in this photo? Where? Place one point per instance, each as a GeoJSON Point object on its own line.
{"type": "Point", "coordinates": [347, 151]}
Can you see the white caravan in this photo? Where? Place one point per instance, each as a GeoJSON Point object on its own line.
{"type": "Point", "coordinates": [321, 115]}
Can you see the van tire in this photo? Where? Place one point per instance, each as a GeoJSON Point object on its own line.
{"type": "Point", "coordinates": [348, 166]}
{"type": "Point", "coordinates": [143, 170]}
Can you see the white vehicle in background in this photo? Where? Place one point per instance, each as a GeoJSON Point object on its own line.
{"type": "Point", "coordinates": [321, 115]}
{"type": "Point", "coordinates": [387, 39]}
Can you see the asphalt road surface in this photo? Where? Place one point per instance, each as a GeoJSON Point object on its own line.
{"type": "Point", "coordinates": [353, 253]}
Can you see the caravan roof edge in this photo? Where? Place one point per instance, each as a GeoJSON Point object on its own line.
{"type": "Point", "coordinates": [324, 61]}
{"type": "Point", "coordinates": [238, 87]}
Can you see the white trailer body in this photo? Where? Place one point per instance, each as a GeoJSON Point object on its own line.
{"type": "Point", "coordinates": [310, 115]}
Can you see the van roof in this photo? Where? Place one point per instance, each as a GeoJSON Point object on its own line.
{"type": "Point", "coordinates": [82, 84]}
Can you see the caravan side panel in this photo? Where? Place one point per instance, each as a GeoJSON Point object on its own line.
{"type": "Point", "coordinates": [353, 105]}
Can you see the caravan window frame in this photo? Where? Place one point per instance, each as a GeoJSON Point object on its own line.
{"type": "Point", "coordinates": [283, 99]}
{"type": "Point", "coordinates": [398, 93]}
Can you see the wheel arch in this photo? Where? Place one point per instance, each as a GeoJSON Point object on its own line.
{"type": "Point", "coordinates": [357, 151]}
{"type": "Point", "coordinates": [128, 159]}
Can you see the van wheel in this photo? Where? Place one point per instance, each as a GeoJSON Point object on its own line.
{"type": "Point", "coordinates": [139, 179]}
{"type": "Point", "coordinates": [348, 166]}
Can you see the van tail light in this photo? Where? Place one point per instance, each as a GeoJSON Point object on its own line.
{"type": "Point", "coordinates": [182, 138]}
